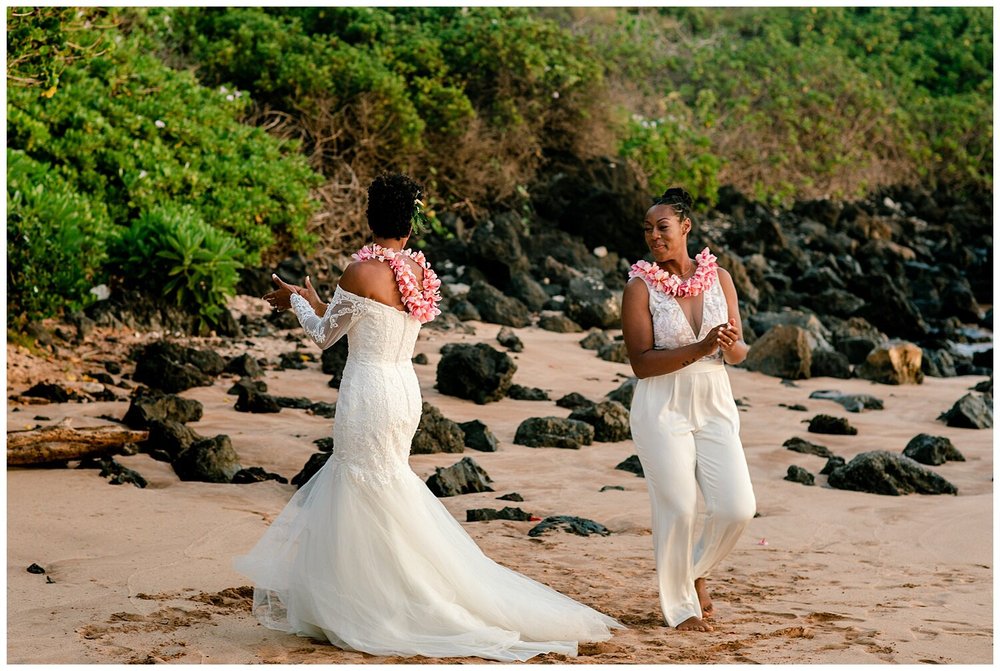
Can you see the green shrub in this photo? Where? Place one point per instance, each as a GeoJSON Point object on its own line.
{"type": "Point", "coordinates": [671, 150]}
{"type": "Point", "coordinates": [171, 251]}
{"type": "Point", "coordinates": [55, 242]}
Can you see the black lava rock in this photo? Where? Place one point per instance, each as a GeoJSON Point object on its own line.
{"type": "Point", "coordinates": [832, 464]}
{"type": "Point", "coordinates": [832, 425]}
{"type": "Point", "coordinates": [478, 436]}
{"type": "Point", "coordinates": [610, 420]}
{"type": "Point", "coordinates": [557, 322]}
{"type": "Point", "coordinates": [436, 433]}
{"type": "Point", "coordinates": [421, 359]}
{"type": "Point", "coordinates": [475, 372]}
{"type": "Point", "coordinates": [595, 340]}
{"type": "Point", "coordinates": [256, 386]}
{"type": "Point", "coordinates": [851, 402]}
{"type": "Point", "coordinates": [574, 400]}
{"type": "Point", "coordinates": [513, 496]}
{"type": "Point", "coordinates": [519, 393]}
{"type": "Point", "coordinates": [797, 444]}
{"type": "Point", "coordinates": [256, 474]}
{"type": "Point", "coordinates": [801, 475]}
{"type": "Point", "coordinates": [168, 439]}
{"type": "Point", "coordinates": [624, 393]}
{"type": "Point", "coordinates": [295, 360]}
{"type": "Point", "coordinates": [615, 352]}
{"type": "Point", "coordinates": [53, 392]}
{"type": "Point", "coordinates": [932, 450]}
{"type": "Point", "coordinates": [576, 525]}
{"type": "Point", "coordinates": [632, 465]}
{"type": "Point", "coordinates": [322, 409]}
{"type": "Point", "coordinates": [120, 475]}
{"type": "Point", "coordinates": [464, 477]}
{"type": "Point", "coordinates": [333, 361]}
{"type": "Point", "coordinates": [554, 432]}
{"type": "Point", "coordinates": [244, 365]}
{"type": "Point", "coordinates": [591, 304]}
{"type": "Point", "coordinates": [252, 401]}
{"type": "Point", "coordinates": [324, 444]}
{"type": "Point", "coordinates": [173, 368]}
{"type": "Point", "coordinates": [208, 460]}
{"type": "Point", "coordinates": [972, 411]}
{"type": "Point", "coordinates": [487, 514]}
{"type": "Point", "coordinates": [297, 402]}
{"type": "Point", "coordinates": [509, 339]}
{"type": "Point", "coordinates": [882, 472]}
{"type": "Point", "coordinates": [496, 308]}
{"type": "Point", "coordinates": [316, 462]}
{"type": "Point", "coordinates": [149, 404]}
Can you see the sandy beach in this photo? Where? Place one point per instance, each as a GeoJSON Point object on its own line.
{"type": "Point", "coordinates": [821, 576]}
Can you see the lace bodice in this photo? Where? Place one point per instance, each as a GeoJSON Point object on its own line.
{"type": "Point", "coordinates": [671, 329]}
{"type": "Point", "coordinates": [378, 406]}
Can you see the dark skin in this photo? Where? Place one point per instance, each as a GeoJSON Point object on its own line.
{"type": "Point", "coordinates": [369, 279]}
{"type": "Point", "coordinates": [666, 236]}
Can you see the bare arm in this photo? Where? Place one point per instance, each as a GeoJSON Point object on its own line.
{"type": "Point", "coordinates": [734, 349]}
{"type": "Point", "coordinates": [637, 328]}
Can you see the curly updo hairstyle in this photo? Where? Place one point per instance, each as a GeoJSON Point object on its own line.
{"type": "Point", "coordinates": [391, 205]}
{"type": "Point", "coordinates": [677, 198]}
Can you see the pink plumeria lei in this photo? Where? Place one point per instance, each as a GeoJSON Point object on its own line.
{"type": "Point", "coordinates": [420, 301]}
{"type": "Point", "coordinates": [672, 285]}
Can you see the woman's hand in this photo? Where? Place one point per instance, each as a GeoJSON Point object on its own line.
{"type": "Point", "coordinates": [281, 298]}
{"type": "Point", "coordinates": [728, 336]}
{"type": "Point", "coordinates": [310, 294]}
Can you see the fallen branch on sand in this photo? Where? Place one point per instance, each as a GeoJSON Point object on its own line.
{"type": "Point", "coordinates": [61, 443]}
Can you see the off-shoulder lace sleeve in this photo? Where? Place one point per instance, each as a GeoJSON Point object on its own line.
{"type": "Point", "coordinates": [340, 316]}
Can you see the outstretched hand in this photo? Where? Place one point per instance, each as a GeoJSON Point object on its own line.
{"type": "Point", "coordinates": [281, 298]}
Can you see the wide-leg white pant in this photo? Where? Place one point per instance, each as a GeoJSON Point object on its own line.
{"type": "Point", "coordinates": [686, 430]}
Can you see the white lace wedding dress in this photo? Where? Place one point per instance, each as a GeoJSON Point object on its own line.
{"type": "Point", "coordinates": [366, 557]}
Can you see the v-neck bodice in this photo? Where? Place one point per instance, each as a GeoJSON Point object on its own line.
{"type": "Point", "coordinates": [671, 328]}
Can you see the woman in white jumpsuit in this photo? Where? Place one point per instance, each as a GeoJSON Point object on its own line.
{"type": "Point", "coordinates": [681, 322]}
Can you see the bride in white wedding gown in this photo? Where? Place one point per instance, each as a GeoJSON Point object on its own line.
{"type": "Point", "coordinates": [364, 555]}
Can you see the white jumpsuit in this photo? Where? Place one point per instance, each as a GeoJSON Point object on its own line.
{"type": "Point", "coordinates": [686, 430]}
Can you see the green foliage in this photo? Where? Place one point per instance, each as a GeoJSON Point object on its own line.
{"type": "Point", "coordinates": [425, 89]}
{"type": "Point", "coordinates": [43, 41]}
{"type": "Point", "coordinates": [171, 251]}
{"type": "Point", "coordinates": [55, 241]}
{"type": "Point", "coordinates": [671, 150]}
{"type": "Point", "coordinates": [134, 136]}
{"type": "Point", "coordinates": [841, 99]}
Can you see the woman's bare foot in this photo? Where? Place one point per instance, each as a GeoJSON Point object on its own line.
{"type": "Point", "coordinates": [707, 609]}
{"type": "Point", "coordinates": [694, 624]}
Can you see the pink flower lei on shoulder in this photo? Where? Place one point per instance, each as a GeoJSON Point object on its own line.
{"type": "Point", "coordinates": [420, 301]}
{"type": "Point", "coordinates": [672, 285]}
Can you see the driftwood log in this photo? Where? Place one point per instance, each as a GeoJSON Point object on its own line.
{"type": "Point", "coordinates": [61, 443]}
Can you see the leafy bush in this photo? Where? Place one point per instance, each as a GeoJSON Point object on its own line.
{"type": "Point", "coordinates": [55, 242]}
{"type": "Point", "coordinates": [132, 137]}
{"type": "Point", "coordinates": [171, 251]}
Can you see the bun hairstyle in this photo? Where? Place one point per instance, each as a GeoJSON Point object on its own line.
{"type": "Point", "coordinates": [392, 205]}
{"type": "Point", "coordinates": [677, 198]}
